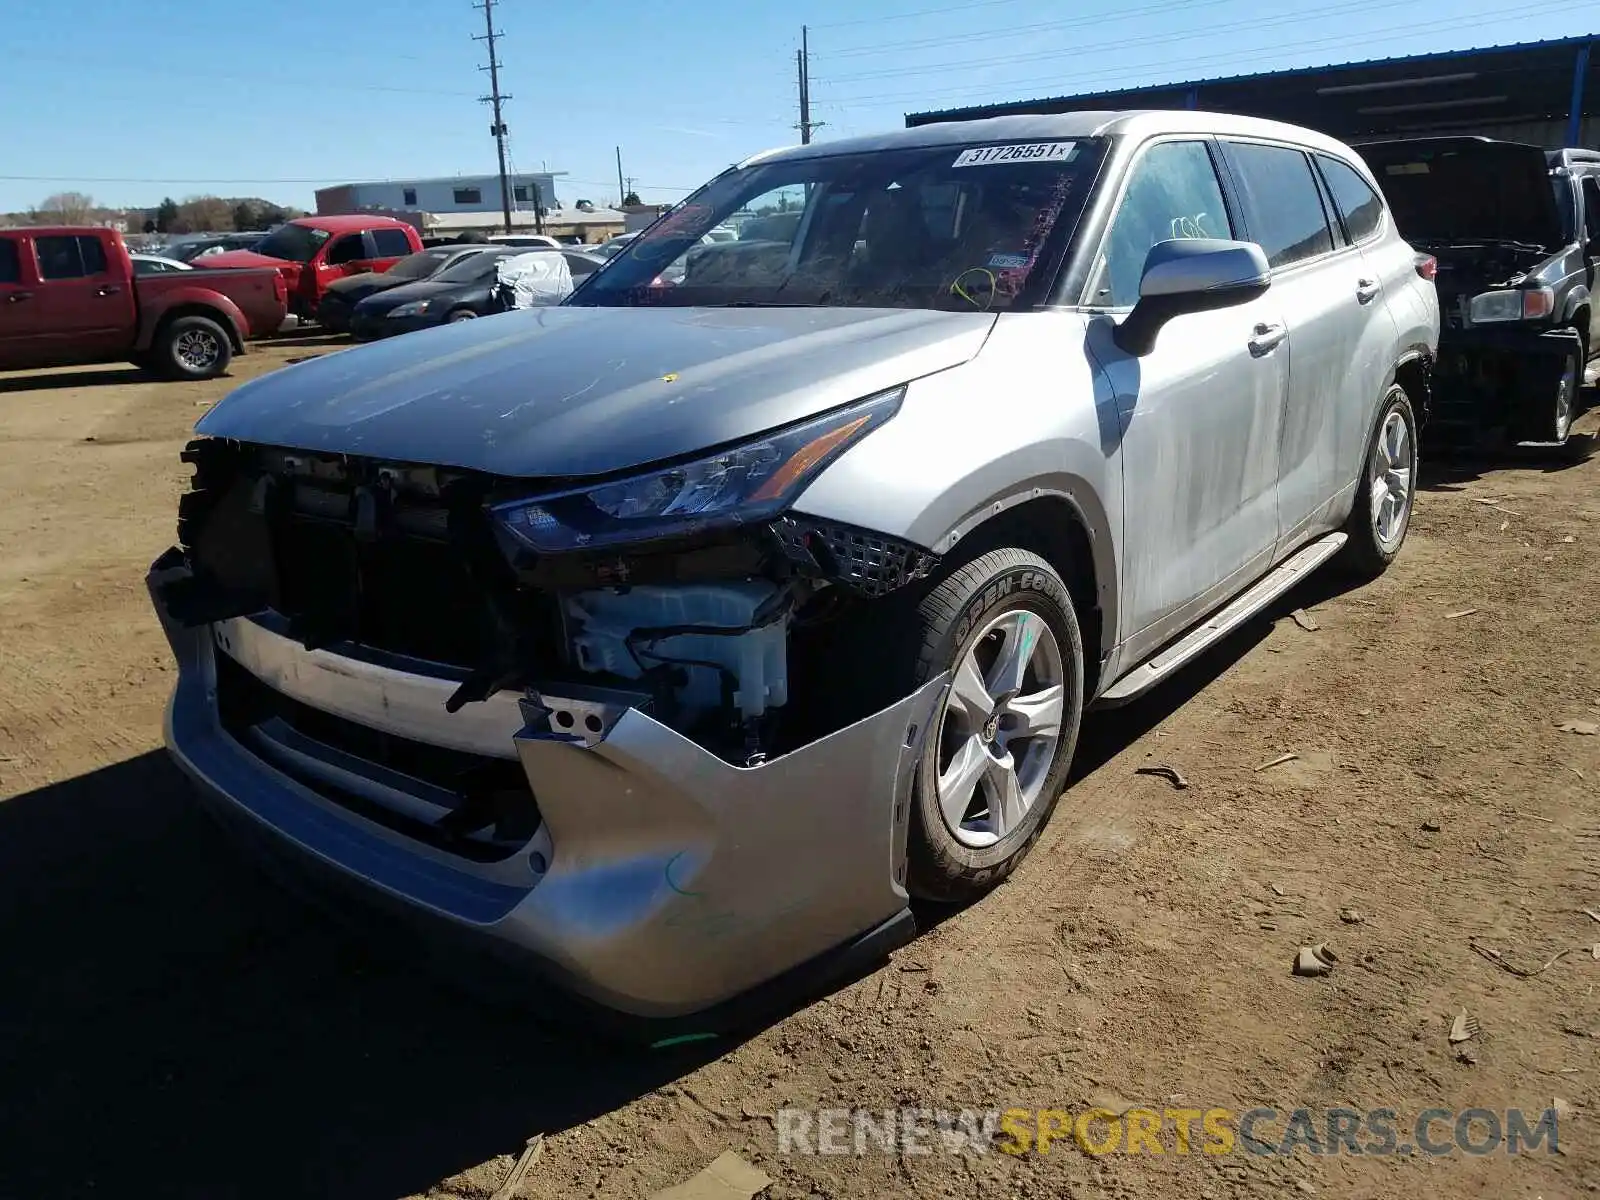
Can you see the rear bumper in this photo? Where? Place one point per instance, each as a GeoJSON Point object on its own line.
{"type": "Point", "coordinates": [677, 892]}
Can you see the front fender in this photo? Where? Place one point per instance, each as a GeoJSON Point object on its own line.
{"type": "Point", "coordinates": [1017, 423]}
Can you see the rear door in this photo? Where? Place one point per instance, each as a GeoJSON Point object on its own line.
{"type": "Point", "coordinates": [1328, 298]}
{"type": "Point", "coordinates": [388, 246]}
{"type": "Point", "coordinates": [19, 302]}
{"type": "Point", "coordinates": [1589, 195]}
{"type": "Point", "coordinates": [85, 306]}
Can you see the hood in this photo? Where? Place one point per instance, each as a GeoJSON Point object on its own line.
{"type": "Point", "coordinates": [1466, 189]}
{"type": "Point", "coordinates": [418, 289]}
{"type": "Point", "coordinates": [245, 258]}
{"type": "Point", "coordinates": [572, 391]}
{"type": "Point", "coordinates": [352, 288]}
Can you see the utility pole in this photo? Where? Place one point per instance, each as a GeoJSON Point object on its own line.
{"type": "Point", "coordinates": [803, 61]}
{"type": "Point", "coordinates": [495, 99]}
{"type": "Point", "coordinates": [622, 195]}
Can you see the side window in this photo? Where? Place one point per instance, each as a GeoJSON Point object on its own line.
{"type": "Point", "coordinates": [69, 257]}
{"type": "Point", "coordinates": [1357, 203]}
{"type": "Point", "coordinates": [10, 262]}
{"type": "Point", "coordinates": [349, 248]}
{"type": "Point", "coordinates": [1282, 207]}
{"type": "Point", "coordinates": [468, 196]}
{"type": "Point", "coordinates": [1172, 193]}
{"type": "Point", "coordinates": [409, 196]}
{"type": "Point", "coordinates": [391, 243]}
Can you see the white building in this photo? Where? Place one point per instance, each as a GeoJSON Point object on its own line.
{"type": "Point", "coordinates": [451, 194]}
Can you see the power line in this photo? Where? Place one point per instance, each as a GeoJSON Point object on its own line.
{"type": "Point", "coordinates": [1189, 63]}
{"type": "Point", "coordinates": [1010, 31]}
{"type": "Point", "coordinates": [918, 12]}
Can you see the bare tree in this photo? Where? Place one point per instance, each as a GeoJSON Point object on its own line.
{"type": "Point", "coordinates": [205, 214]}
{"type": "Point", "coordinates": [66, 208]}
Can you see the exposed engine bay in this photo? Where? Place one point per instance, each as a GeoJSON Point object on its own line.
{"type": "Point", "coordinates": [719, 635]}
{"type": "Point", "coordinates": [1470, 267]}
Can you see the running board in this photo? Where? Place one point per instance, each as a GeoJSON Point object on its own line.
{"type": "Point", "coordinates": [1223, 622]}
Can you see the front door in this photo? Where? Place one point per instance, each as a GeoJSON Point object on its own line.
{"type": "Point", "coordinates": [1200, 414]}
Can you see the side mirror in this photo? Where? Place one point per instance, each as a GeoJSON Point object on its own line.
{"type": "Point", "coordinates": [1188, 275]}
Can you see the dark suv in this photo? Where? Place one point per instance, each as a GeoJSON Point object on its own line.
{"type": "Point", "coordinates": [1516, 232]}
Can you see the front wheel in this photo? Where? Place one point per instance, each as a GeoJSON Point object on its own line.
{"type": "Point", "coordinates": [1384, 496]}
{"type": "Point", "coordinates": [996, 760]}
{"type": "Point", "coordinates": [461, 314]}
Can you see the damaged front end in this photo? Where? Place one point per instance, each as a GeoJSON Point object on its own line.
{"type": "Point", "coordinates": [528, 726]}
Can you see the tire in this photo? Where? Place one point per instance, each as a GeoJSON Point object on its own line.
{"type": "Point", "coordinates": [192, 348]}
{"type": "Point", "coordinates": [1368, 552]}
{"type": "Point", "coordinates": [460, 314]}
{"type": "Point", "coordinates": [1004, 598]}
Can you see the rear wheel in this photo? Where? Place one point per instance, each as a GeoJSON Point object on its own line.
{"type": "Point", "coordinates": [995, 761]}
{"type": "Point", "coordinates": [192, 348]}
{"type": "Point", "coordinates": [1382, 512]}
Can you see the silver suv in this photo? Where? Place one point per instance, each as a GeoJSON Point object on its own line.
{"type": "Point", "coordinates": [666, 640]}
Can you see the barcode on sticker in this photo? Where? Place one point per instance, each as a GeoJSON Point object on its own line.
{"type": "Point", "coordinates": [984, 156]}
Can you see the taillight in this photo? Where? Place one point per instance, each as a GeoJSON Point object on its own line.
{"type": "Point", "coordinates": [1427, 266]}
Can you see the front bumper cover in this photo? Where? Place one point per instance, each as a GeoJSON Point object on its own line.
{"type": "Point", "coordinates": [680, 891]}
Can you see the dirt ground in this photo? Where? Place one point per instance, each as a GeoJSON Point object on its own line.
{"type": "Point", "coordinates": [172, 1025]}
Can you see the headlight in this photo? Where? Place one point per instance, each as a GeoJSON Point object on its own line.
{"type": "Point", "coordinates": [414, 308]}
{"type": "Point", "coordinates": [1511, 304]}
{"type": "Point", "coordinates": [747, 482]}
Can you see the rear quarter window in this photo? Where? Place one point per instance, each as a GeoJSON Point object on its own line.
{"type": "Point", "coordinates": [1359, 206]}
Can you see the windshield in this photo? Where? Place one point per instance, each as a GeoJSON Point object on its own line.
{"type": "Point", "coordinates": [420, 265]}
{"type": "Point", "coordinates": [292, 243]}
{"type": "Point", "coordinates": [950, 227]}
{"type": "Point", "coordinates": [474, 268]}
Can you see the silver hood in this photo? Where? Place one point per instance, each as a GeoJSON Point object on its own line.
{"type": "Point", "coordinates": [587, 390]}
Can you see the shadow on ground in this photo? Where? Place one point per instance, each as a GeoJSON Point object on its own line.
{"type": "Point", "coordinates": [175, 1025]}
{"type": "Point", "coordinates": [56, 380]}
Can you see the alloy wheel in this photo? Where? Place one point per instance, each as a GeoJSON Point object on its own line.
{"type": "Point", "coordinates": [1394, 469]}
{"type": "Point", "coordinates": [197, 350]}
{"type": "Point", "coordinates": [1000, 728]}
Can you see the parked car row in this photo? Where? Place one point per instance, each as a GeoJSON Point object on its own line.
{"type": "Point", "coordinates": [680, 634]}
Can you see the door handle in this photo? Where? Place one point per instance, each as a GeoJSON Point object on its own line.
{"type": "Point", "coordinates": [110, 289]}
{"type": "Point", "coordinates": [18, 297]}
{"type": "Point", "coordinates": [1366, 290]}
{"type": "Point", "coordinates": [1265, 338]}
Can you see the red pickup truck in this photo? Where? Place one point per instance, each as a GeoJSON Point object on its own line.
{"type": "Point", "coordinates": [68, 295]}
{"type": "Point", "coordinates": [312, 252]}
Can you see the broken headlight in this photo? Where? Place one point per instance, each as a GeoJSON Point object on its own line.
{"type": "Point", "coordinates": [750, 481]}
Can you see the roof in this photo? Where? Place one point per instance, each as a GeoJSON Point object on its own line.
{"type": "Point", "coordinates": [523, 220]}
{"type": "Point", "coordinates": [1076, 124]}
{"type": "Point", "coordinates": [348, 222]}
{"type": "Point", "coordinates": [408, 182]}
{"type": "Point", "coordinates": [1525, 81]}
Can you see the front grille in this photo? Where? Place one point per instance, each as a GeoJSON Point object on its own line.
{"type": "Point", "coordinates": [396, 558]}
{"type": "Point", "coordinates": [493, 788]}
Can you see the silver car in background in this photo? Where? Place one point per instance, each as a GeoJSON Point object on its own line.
{"type": "Point", "coordinates": [667, 641]}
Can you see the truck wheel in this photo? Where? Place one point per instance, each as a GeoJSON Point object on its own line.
{"type": "Point", "coordinates": [996, 759]}
{"type": "Point", "coordinates": [192, 348]}
{"type": "Point", "coordinates": [1386, 490]}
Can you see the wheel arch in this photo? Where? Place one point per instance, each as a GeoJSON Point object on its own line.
{"type": "Point", "coordinates": [1072, 537]}
{"type": "Point", "coordinates": [208, 311]}
{"type": "Point", "coordinates": [1413, 371]}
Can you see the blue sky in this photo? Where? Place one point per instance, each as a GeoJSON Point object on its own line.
{"type": "Point", "coordinates": [133, 101]}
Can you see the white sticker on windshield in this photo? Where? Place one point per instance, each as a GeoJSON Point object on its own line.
{"type": "Point", "coordinates": [988, 156]}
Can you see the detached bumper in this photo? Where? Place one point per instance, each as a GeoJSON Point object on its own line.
{"type": "Point", "coordinates": [665, 888]}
